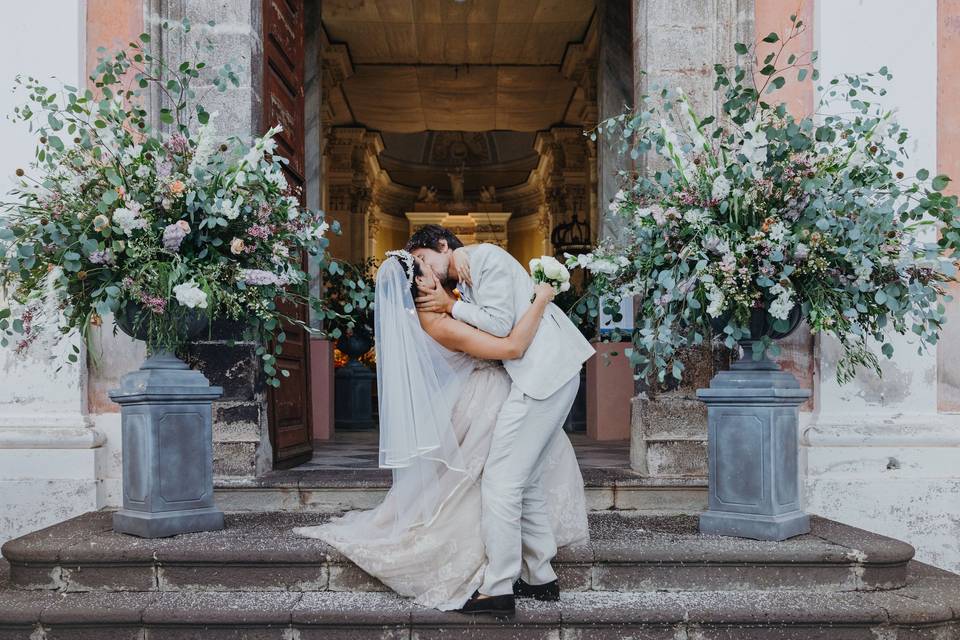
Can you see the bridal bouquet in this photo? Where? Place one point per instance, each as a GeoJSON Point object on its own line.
{"type": "Point", "coordinates": [115, 215]}
{"type": "Point", "coordinates": [760, 215]}
{"type": "Point", "coordinates": [549, 269]}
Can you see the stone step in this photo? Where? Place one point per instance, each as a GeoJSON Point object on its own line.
{"type": "Point", "coordinates": [335, 491]}
{"type": "Point", "coordinates": [927, 609]}
{"type": "Point", "coordinates": [673, 457]}
{"type": "Point", "coordinates": [259, 552]}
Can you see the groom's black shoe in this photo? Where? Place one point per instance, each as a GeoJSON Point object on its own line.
{"type": "Point", "coordinates": [549, 592]}
{"type": "Point", "coordinates": [504, 605]}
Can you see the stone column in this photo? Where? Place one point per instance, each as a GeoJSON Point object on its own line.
{"type": "Point", "coordinates": [240, 433]}
{"type": "Point", "coordinates": [614, 94]}
{"type": "Point", "coordinates": [677, 42]}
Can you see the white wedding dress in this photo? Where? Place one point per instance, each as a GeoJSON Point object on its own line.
{"type": "Point", "coordinates": [438, 409]}
{"type": "Point", "coordinates": [440, 563]}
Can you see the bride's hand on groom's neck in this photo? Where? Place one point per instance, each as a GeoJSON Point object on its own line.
{"type": "Point", "coordinates": [433, 297]}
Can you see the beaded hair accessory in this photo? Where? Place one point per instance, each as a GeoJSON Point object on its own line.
{"type": "Point", "coordinates": [407, 258]}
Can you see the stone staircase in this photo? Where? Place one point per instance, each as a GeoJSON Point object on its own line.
{"type": "Point", "coordinates": [650, 577]}
{"type": "Point", "coordinates": [338, 490]}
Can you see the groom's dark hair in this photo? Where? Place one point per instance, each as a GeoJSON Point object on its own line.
{"type": "Point", "coordinates": [429, 237]}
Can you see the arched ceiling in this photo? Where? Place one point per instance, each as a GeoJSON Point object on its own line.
{"type": "Point", "coordinates": [490, 158]}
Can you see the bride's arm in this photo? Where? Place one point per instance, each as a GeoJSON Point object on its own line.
{"type": "Point", "coordinates": [459, 336]}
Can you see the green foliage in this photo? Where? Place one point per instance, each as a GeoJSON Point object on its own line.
{"type": "Point", "coordinates": [762, 210]}
{"type": "Point", "coordinates": [115, 212]}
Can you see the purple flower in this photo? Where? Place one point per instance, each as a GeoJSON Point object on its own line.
{"type": "Point", "coordinates": [173, 235]}
{"type": "Point", "coordinates": [259, 277]}
{"type": "Point", "coordinates": [177, 143]}
{"type": "Point", "coordinates": [102, 257]}
{"type": "Point", "coordinates": [259, 231]}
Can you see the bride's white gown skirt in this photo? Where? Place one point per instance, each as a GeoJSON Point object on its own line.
{"type": "Point", "coordinates": [442, 562]}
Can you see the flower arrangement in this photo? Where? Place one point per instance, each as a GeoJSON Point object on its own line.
{"type": "Point", "coordinates": [550, 270]}
{"type": "Point", "coordinates": [172, 221]}
{"type": "Point", "coordinates": [761, 214]}
{"type": "Point", "coordinates": [349, 295]}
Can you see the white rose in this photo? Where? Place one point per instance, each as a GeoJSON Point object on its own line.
{"type": "Point", "coordinates": [190, 295]}
{"type": "Point", "coordinates": [564, 286]}
{"type": "Point", "coordinates": [237, 246]}
{"type": "Point", "coordinates": [534, 265]}
{"type": "Point", "coordinates": [552, 267]}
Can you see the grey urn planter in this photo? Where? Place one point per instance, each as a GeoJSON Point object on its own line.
{"type": "Point", "coordinates": [752, 417]}
{"type": "Point", "coordinates": [165, 411]}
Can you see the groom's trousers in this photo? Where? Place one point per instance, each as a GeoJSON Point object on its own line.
{"type": "Point", "coordinates": [515, 521]}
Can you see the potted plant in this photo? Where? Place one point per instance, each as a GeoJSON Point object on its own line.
{"type": "Point", "coordinates": [167, 229]}
{"type": "Point", "coordinates": [753, 221]}
{"type": "Point", "coordinates": [350, 293]}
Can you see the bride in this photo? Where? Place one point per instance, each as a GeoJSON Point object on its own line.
{"type": "Point", "coordinates": [440, 387]}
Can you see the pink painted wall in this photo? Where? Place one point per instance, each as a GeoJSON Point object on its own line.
{"type": "Point", "coordinates": [774, 15]}
{"type": "Point", "coordinates": [797, 355]}
{"type": "Point", "coordinates": [609, 390]}
{"type": "Point", "coordinates": [110, 24]}
{"type": "Point", "coordinates": [321, 388]}
{"type": "Point", "coordinates": [948, 162]}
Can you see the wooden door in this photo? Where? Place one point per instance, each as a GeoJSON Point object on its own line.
{"type": "Point", "coordinates": [291, 432]}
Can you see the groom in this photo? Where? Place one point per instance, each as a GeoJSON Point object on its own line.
{"type": "Point", "coordinates": [515, 523]}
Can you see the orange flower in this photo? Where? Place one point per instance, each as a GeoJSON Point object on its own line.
{"type": "Point", "coordinates": [177, 187]}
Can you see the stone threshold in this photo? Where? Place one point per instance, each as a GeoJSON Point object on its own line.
{"type": "Point", "coordinates": [259, 552]}
{"type": "Point", "coordinates": [595, 477]}
{"type": "Point", "coordinates": [336, 490]}
{"type": "Point", "coordinates": [927, 609]}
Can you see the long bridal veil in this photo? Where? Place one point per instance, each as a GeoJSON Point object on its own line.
{"type": "Point", "coordinates": [418, 382]}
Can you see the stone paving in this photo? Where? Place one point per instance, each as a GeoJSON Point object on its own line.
{"type": "Point", "coordinates": [358, 450]}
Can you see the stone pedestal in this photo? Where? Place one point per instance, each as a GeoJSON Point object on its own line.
{"type": "Point", "coordinates": [167, 450]}
{"type": "Point", "coordinates": [752, 415]}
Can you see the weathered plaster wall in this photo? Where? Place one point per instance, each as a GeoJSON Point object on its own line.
{"type": "Point", "coordinates": [47, 450]}
{"type": "Point", "coordinates": [878, 454]}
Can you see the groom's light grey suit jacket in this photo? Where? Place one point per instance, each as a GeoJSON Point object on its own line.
{"type": "Point", "coordinates": [500, 295]}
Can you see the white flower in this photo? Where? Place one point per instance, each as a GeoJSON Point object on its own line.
{"type": "Point", "coordinates": [717, 301]}
{"type": "Point", "coordinates": [143, 171]}
{"type": "Point", "coordinates": [782, 305]}
{"type": "Point", "coordinates": [863, 271]}
{"type": "Point", "coordinates": [128, 219]}
{"type": "Point", "coordinates": [721, 188]}
{"type": "Point", "coordinates": [277, 179]}
{"type": "Point", "coordinates": [231, 208]}
{"type": "Point", "coordinates": [535, 265]}
{"type": "Point", "coordinates": [564, 286]}
{"type": "Point", "coordinates": [777, 232]}
{"type": "Point", "coordinates": [313, 234]}
{"type": "Point", "coordinates": [697, 217]}
{"type": "Point", "coordinates": [190, 295]}
{"type": "Point", "coordinates": [552, 268]}
{"type": "Point", "coordinates": [206, 143]}
{"type": "Point", "coordinates": [237, 246]}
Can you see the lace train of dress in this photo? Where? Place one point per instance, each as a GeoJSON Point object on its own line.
{"type": "Point", "coordinates": [441, 563]}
